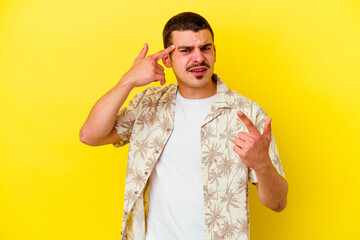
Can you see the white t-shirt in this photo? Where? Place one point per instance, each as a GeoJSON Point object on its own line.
{"type": "Point", "coordinates": [176, 197]}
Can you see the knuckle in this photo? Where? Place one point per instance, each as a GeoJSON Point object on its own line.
{"type": "Point", "coordinates": [236, 149]}
{"type": "Point", "coordinates": [244, 153]}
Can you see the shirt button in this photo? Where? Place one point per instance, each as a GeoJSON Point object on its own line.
{"type": "Point", "coordinates": [168, 129]}
{"type": "Point", "coordinates": [146, 173]}
{"type": "Point", "coordinates": [136, 192]}
{"type": "Point", "coordinates": [157, 151]}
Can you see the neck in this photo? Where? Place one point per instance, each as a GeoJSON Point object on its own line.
{"type": "Point", "coordinates": [198, 92]}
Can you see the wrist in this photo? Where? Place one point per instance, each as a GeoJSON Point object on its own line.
{"type": "Point", "coordinates": [126, 83]}
{"type": "Point", "coordinates": [266, 167]}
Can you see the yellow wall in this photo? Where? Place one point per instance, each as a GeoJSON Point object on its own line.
{"type": "Point", "coordinates": [299, 59]}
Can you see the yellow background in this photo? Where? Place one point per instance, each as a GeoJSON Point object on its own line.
{"type": "Point", "coordinates": [298, 59]}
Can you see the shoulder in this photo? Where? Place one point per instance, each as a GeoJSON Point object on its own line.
{"type": "Point", "coordinates": [251, 109]}
{"type": "Point", "coordinates": [154, 94]}
{"type": "Point", "coordinates": [159, 91]}
{"type": "Point", "coordinates": [236, 101]}
{"type": "Point", "coordinates": [233, 99]}
{"type": "Point", "coordinates": [240, 102]}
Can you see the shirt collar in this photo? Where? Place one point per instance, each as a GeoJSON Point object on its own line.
{"type": "Point", "coordinates": [224, 95]}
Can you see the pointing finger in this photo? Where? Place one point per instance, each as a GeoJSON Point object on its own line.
{"type": "Point", "coordinates": [143, 52]}
{"type": "Point", "coordinates": [249, 125]}
{"type": "Point", "coordinates": [267, 129]}
{"type": "Point", "coordinates": [157, 56]}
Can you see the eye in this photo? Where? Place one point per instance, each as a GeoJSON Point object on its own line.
{"type": "Point", "coordinates": [205, 48]}
{"type": "Point", "coordinates": [184, 50]}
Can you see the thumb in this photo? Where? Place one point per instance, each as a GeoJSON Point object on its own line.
{"type": "Point", "coordinates": [267, 129]}
{"type": "Point", "coordinates": [143, 52]}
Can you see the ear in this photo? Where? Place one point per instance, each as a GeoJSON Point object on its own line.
{"type": "Point", "coordinates": [166, 60]}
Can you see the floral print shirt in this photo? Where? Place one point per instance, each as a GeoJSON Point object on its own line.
{"type": "Point", "coordinates": [147, 123]}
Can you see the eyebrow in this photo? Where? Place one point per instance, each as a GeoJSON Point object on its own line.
{"type": "Point", "coordinates": [192, 47]}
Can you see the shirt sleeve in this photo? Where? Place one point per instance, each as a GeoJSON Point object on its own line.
{"type": "Point", "coordinates": [125, 120]}
{"type": "Point", "coordinates": [261, 117]}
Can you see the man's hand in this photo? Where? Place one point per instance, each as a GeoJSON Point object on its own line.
{"type": "Point", "coordinates": [253, 147]}
{"type": "Point", "coordinates": [146, 70]}
{"type": "Point", "coordinates": [98, 128]}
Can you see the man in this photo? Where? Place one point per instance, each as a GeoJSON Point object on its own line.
{"type": "Point", "coordinates": [193, 144]}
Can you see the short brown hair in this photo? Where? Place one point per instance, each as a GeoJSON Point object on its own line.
{"type": "Point", "coordinates": [183, 22]}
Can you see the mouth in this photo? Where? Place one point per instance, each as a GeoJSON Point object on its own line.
{"type": "Point", "coordinates": [198, 71]}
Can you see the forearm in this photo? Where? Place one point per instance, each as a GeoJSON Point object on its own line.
{"type": "Point", "coordinates": [102, 117]}
{"type": "Point", "coordinates": [272, 188]}
{"type": "Point", "coordinates": [98, 128]}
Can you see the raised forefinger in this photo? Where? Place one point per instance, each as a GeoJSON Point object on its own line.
{"type": "Point", "coordinates": [157, 56]}
{"type": "Point", "coordinates": [249, 125]}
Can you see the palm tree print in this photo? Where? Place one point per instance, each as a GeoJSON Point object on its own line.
{"type": "Point", "coordinates": [148, 122]}
{"type": "Point", "coordinates": [243, 227]}
{"type": "Point", "coordinates": [212, 154]}
{"type": "Point", "coordinates": [138, 178]}
{"type": "Point", "coordinates": [214, 216]}
{"type": "Point", "coordinates": [141, 148]}
{"type": "Point", "coordinates": [209, 195]}
{"type": "Point", "coordinates": [164, 124]}
{"type": "Point", "coordinates": [230, 199]}
{"type": "Point", "coordinates": [227, 230]}
{"type": "Point", "coordinates": [225, 166]}
{"type": "Point", "coordinates": [241, 185]}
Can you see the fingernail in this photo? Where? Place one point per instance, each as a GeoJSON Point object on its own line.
{"type": "Point", "coordinates": [240, 113]}
{"type": "Point", "coordinates": [173, 46]}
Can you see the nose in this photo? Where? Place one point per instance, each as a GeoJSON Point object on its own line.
{"type": "Point", "coordinates": [198, 56]}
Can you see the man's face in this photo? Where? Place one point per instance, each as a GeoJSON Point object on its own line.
{"type": "Point", "coordinates": [193, 58]}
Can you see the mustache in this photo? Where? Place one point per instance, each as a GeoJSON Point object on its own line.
{"type": "Point", "coordinates": [202, 64]}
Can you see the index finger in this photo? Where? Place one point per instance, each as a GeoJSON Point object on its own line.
{"type": "Point", "coordinates": [157, 56]}
{"type": "Point", "coordinates": [249, 125]}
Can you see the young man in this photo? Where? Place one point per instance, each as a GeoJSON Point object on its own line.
{"type": "Point", "coordinates": [193, 144]}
